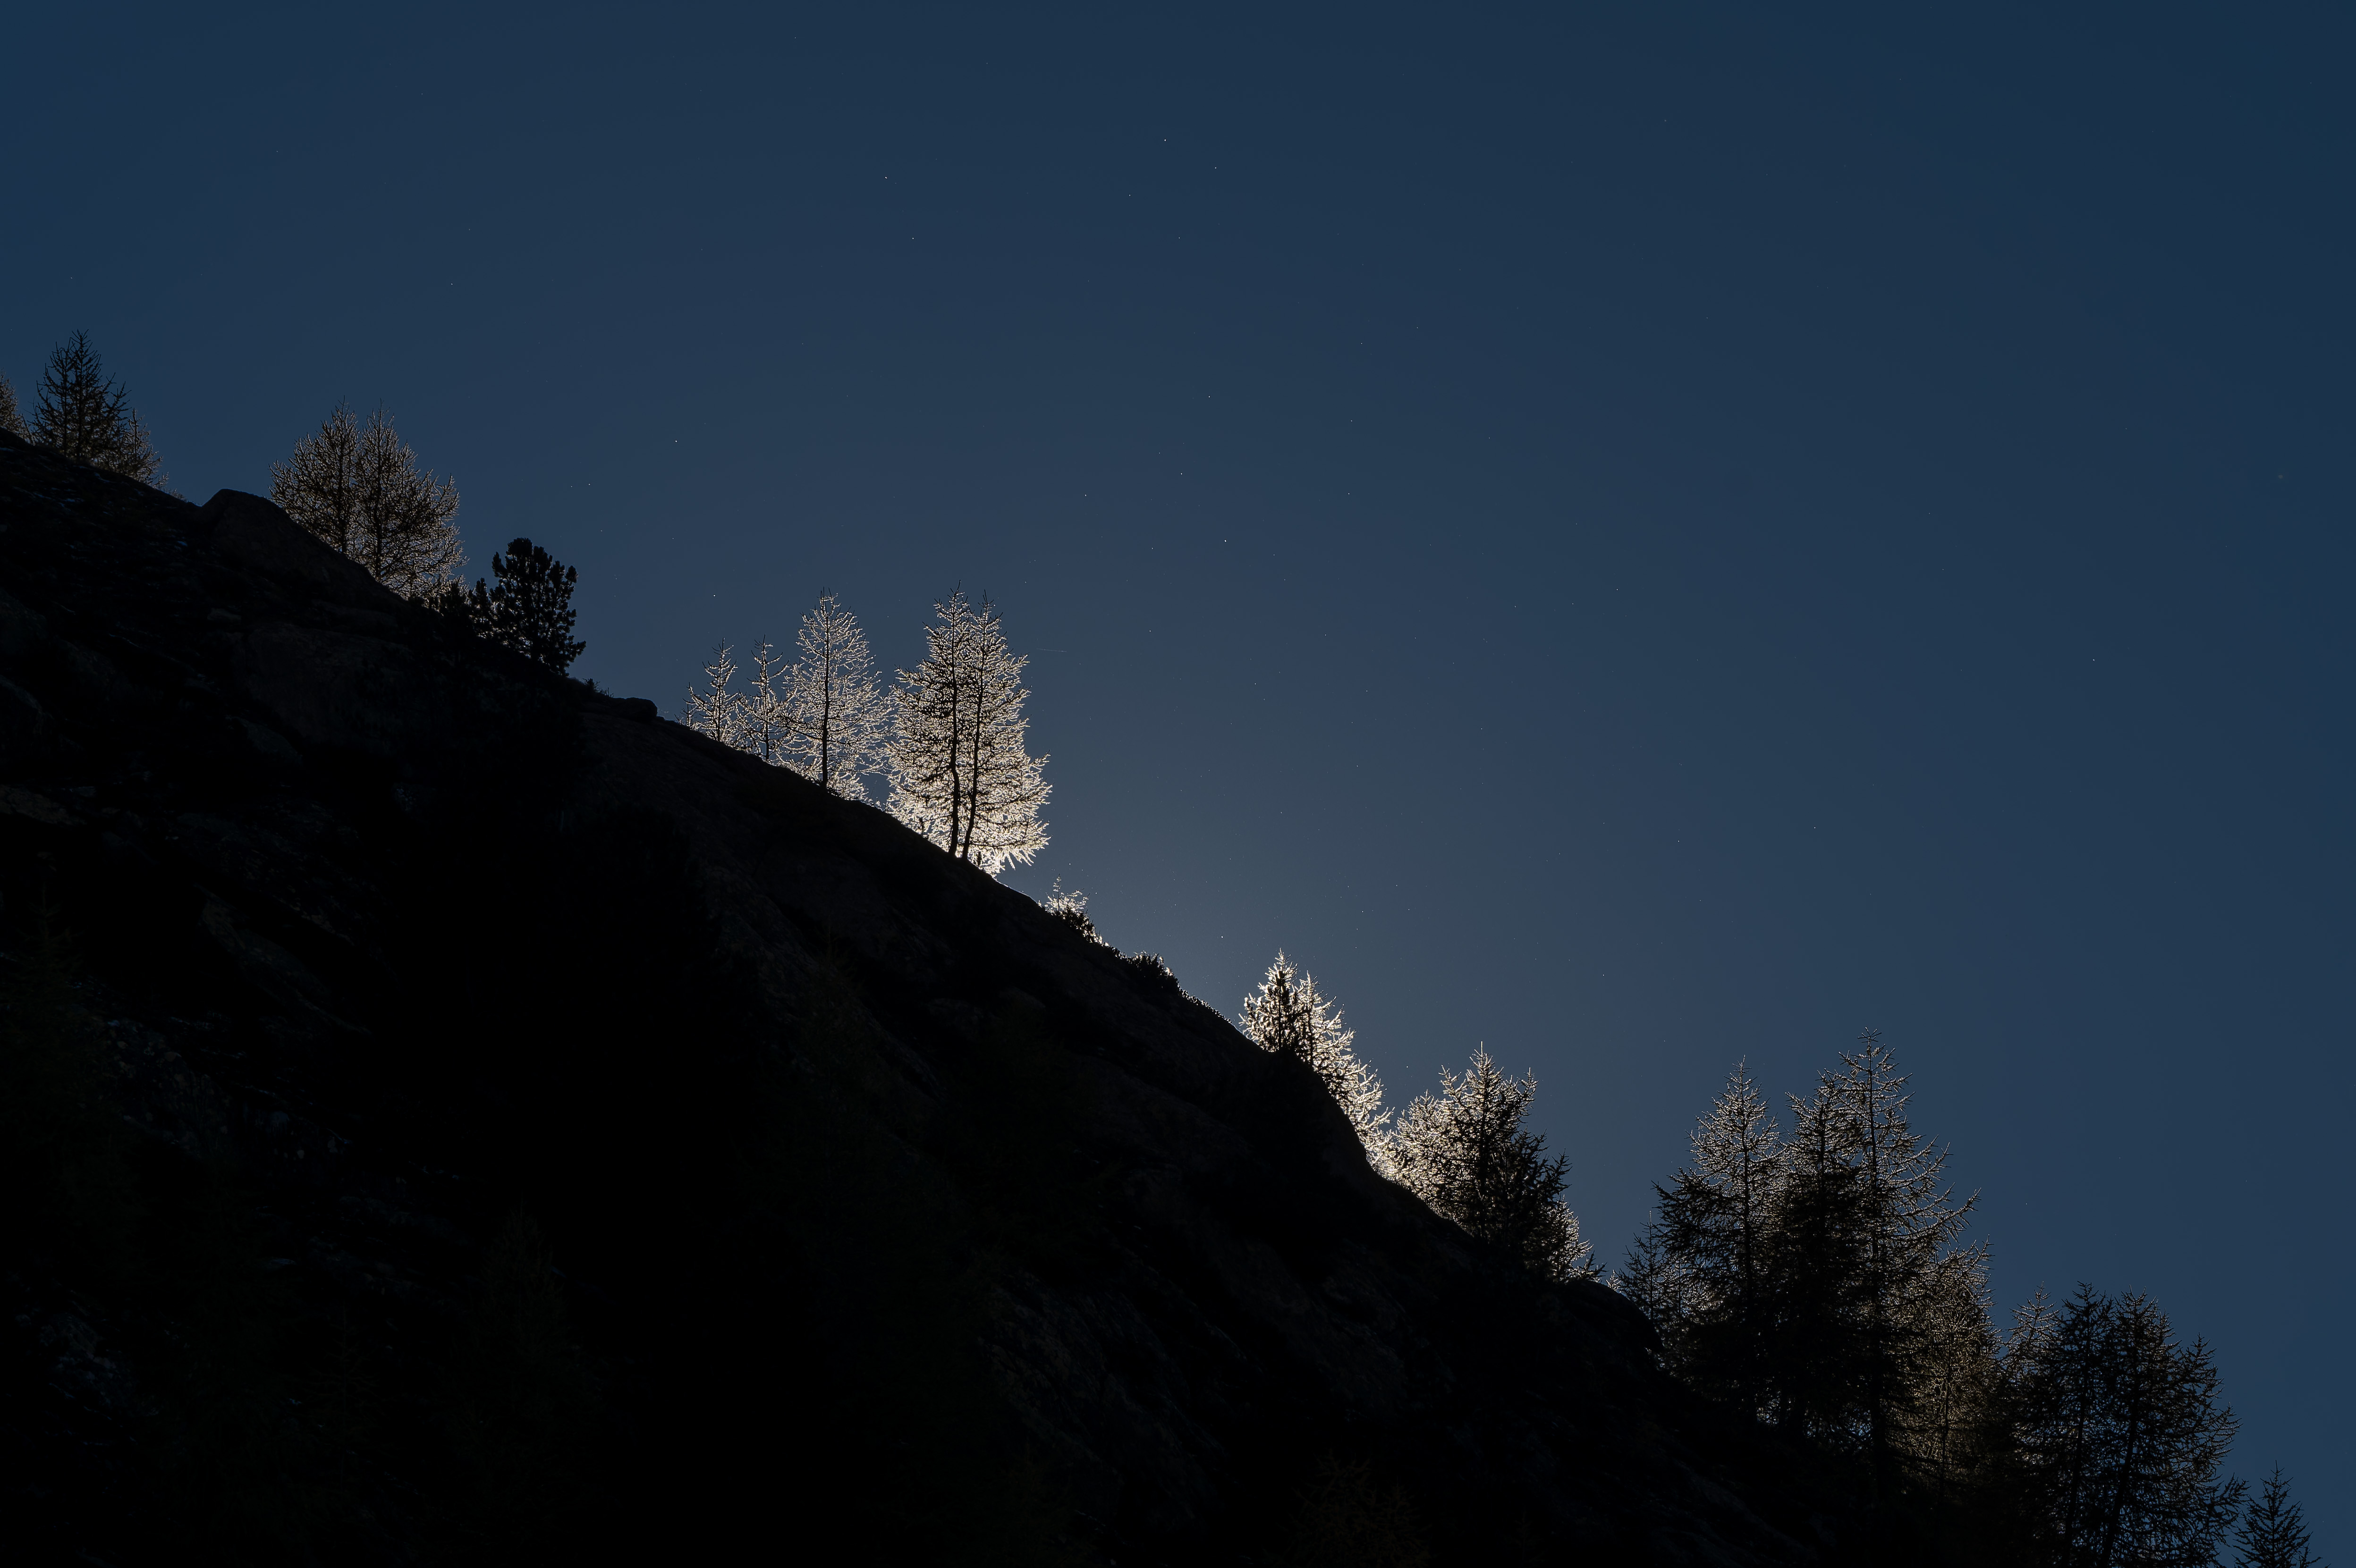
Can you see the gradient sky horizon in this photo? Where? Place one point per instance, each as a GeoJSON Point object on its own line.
{"type": "Point", "coordinates": [1646, 542]}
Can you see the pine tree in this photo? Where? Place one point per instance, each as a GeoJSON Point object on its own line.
{"type": "Point", "coordinates": [11, 420]}
{"type": "Point", "coordinates": [959, 771]}
{"type": "Point", "coordinates": [2273, 1531]}
{"type": "Point", "coordinates": [84, 416]}
{"type": "Point", "coordinates": [839, 717]}
{"type": "Point", "coordinates": [359, 489]}
{"type": "Point", "coordinates": [1704, 1254]}
{"type": "Point", "coordinates": [1289, 1016]}
{"type": "Point", "coordinates": [2118, 1437]}
{"type": "Point", "coordinates": [1465, 1152]}
{"type": "Point", "coordinates": [530, 608]}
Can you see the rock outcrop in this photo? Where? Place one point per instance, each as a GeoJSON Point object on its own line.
{"type": "Point", "coordinates": [530, 1123]}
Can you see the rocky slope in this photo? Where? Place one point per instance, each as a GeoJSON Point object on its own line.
{"type": "Point", "coordinates": [467, 1115]}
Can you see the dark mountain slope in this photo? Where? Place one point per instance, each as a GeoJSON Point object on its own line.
{"type": "Point", "coordinates": [466, 1115]}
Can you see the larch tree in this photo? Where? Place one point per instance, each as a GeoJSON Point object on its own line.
{"type": "Point", "coordinates": [719, 709]}
{"type": "Point", "coordinates": [1289, 1016]}
{"type": "Point", "coordinates": [2119, 1437]}
{"type": "Point", "coordinates": [1465, 1152]}
{"type": "Point", "coordinates": [1913, 1278]}
{"type": "Point", "coordinates": [83, 415]}
{"type": "Point", "coordinates": [11, 420]}
{"type": "Point", "coordinates": [960, 774]}
{"type": "Point", "coordinates": [529, 608]}
{"type": "Point", "coordinates": [1704, 1259]}
{"type": "Point", "coordinates": [2273, 1531]}
{"type": "Point", "coordinates": [838, 718]}
{"type": "Point", "coordinates": [360, 489]}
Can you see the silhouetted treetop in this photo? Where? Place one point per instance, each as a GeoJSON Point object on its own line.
{"type": "Point", "coordinates": [84, 416]}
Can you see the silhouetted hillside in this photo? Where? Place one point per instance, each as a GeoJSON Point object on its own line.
{"type": "Point", "coordinates": [458, 1113]}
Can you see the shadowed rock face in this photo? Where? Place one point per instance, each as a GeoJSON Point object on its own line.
{"type": "Point", "coordinates": [651, 1147]}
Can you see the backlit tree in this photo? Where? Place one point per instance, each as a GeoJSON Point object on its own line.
{"type": "Point", "coordinates": [360, 489]}
{"type": "Point", "coordinates": [529, 608]}
{"type": "Point", "coordinates": [1706, 1254]}
{"type": "Point", "coordinates": [83, 415]}
{"type": "Point", "coordinates": [1288, 1016]}
{"type": "Point", "coordinates": [2118, 1437]}
{"type": "Point", "coordinates": [838, 719]}
{"type": "Point", "coordinates": [960, 774]}
{"type": "Point", "coordinates": [1465, 1152]}
{"type": "Point", "coordinates": [719, 709]}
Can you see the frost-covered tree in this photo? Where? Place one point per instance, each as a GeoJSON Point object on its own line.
{"type": "Point", "coordinates": [1704, 1259]}
{"type": "Point", "coordinates": [1289, 1016]}
{"type": "Point", "coordinates": [360, 489]}
{"type": "Point", "coordinates": [11, 420]}
{"type": "Point", "coordinates": [2273, 1531]}
{"type": "Point", "coordinates": [1465, 1152]}
{"type": "Point", "coordinates": [765, 719]}
{"type": "Point", "coordinates": [84, 415]}
{"type": "Point", "coordinates": [719, 709]}
{"type": "Point", "coordinates": [2117, 1436]}
{"type": "Point", "coordinates": [960, 774]}
{"type": "Point", "coordinates": [838, 716]}
{"type": "Point", "coordinates": [529, 608]}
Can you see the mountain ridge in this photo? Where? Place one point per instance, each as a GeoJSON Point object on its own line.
{"type": "Point", "coordinates": [878, 1203]}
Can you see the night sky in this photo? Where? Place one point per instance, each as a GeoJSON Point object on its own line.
{"type": "Point", "coordinates": [1640, 543]}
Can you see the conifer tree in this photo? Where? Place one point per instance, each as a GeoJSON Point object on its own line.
{"type": "Point", "coordinates": [838, 718]}
{"type": "Point", "coordinates": [88, 418]}
{"type": "Point", "coordinates": [1906, 1221]}
{"type": "Point", "coordinates": [1465, 1152]}
{"type": "Point", "coordinates": [960, 774]}
{"type": "Point", "coordinates": [2118, 1435]}
{"type": "Point", "coordinates": [1289, 1016]}
{"type": "Point", "coordinates": [529, 607]}
{"type": "Point", "coordinates": [360, 489]}
{"type": "Point", "coordinates": [1705, 1252]}
{"type": "Point", "coordinates": [11, 420]}
{"type": "Point", "coordinates": [2273, 1531]}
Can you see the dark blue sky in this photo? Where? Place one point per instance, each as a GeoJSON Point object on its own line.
{"type": "Point", "coordinates": [1639, 543]}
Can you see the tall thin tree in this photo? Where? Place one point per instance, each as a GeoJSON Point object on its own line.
{"type": "Point", "coordinates": [959, 773]}
{"type": "Point", "coordinates": [838, 718]}
{"type": "Point", "coordinates": [11, 418]}
{"type": "Point", "coordinates": [1708, 1244]}
{"type": "Point", "coordinates": [84, 416]}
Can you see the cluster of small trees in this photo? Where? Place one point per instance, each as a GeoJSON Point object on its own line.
{"type": "Point", "coordinates": [356, 485]}
{"type": "Point", "coordinates": [1466, 1150]}
{"type": "Point", "coordinates": [1814, 1282]}
{"type": "Point", "coordinates": [947, 739]}
{"type": "Point", "coordinates": [82, 414]}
